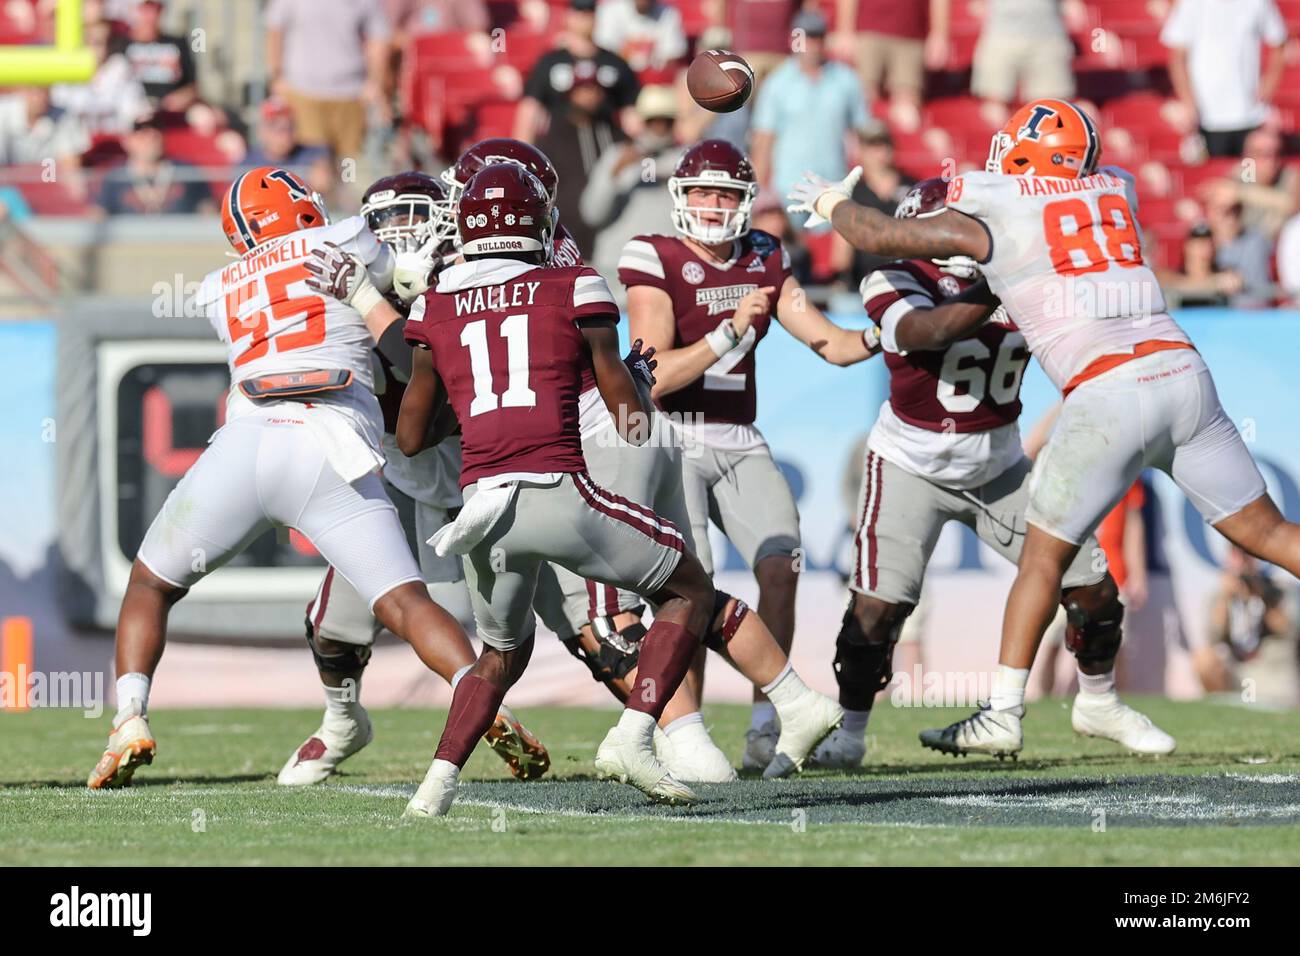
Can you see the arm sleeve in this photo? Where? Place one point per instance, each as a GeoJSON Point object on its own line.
{"type": "Point", "coordinates": [416, 329]}
{"type": "Point", "coordinates": [640, 264]}
{"type": "Point", "coordinates": [888, 295]}
{"type": "Point", "coordinates": [592, 298]}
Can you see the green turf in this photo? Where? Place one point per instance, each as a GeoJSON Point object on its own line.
{"type": "Point", "coordinates": [1229, 796]}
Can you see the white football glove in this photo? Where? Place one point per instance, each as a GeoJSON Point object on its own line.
{"type": "Point", "coordinates": [818, 197]}
{"type": "Point", "coordinates": [412, 270]}
{"type": "Point", "coordinates": [341, 275]}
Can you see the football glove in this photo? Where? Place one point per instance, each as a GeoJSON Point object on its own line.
{"type": "Point", "coordinates": [818, 197]}
{"type": "Point", "coordinates": [340, 275]}
{"type": "Point", "coordinates": [642, 365]}
{"type": "Point", "coordinates": [413, 270]}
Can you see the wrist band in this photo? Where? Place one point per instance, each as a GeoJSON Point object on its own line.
{"type": "Point", "coordinates": [827, 201]}
{"type": "Point", "coordinates": [871, 338]}
{"type": "Point", "coordinates": [366, 297]}
{"type": "Point", "coordinates": [722, 339]}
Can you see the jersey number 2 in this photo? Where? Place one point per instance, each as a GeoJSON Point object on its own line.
{"type": "Point", "coordinates": [514, 329]}
{"type": "Point", "coordinates": [1071, 227]}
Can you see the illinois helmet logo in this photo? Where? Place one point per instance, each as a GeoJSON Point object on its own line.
{"type": "Point", "coordinates": [1030, 129]}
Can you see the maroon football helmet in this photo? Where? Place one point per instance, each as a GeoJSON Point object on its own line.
{"type": "Point", "coordinates": [407, 209]}
{"type": "Point", "coordinates": [716, 163]}
{"type": "Point", "coordinates": [500, 150]}
{"type": "Point", "coordinates": [505, 209]}
{"type": "Point", "coordinates": [928, 198]}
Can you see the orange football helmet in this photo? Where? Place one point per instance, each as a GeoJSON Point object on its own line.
{"type": "Point", "coordinates": [1046, 138]}
{"type": "Point", "coordinates": [266, 203]}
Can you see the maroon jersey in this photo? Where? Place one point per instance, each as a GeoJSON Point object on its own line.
{"type": "Point", "coordinates": [506, 342]}
{"type": "Point", "coordinates": [565, 251]}
{"type": "Point", "coordinates": [972, 385]}
{"type": "Point", "coordinates": [703, 294]}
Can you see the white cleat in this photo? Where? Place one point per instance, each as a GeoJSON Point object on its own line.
{"type": "Point", "coordinates": [130, 746]}
{"type": "Point", "coordinates": [760, 746]}
{"type": "Point", "coordinates": [691, 756]}
{"type": "Point", "coordinates": [804, 725]}
{"type": "Point", "coordinates": [987, 731]}
{"type": "Point", "coordinates": [436, 792]}
{"type": "Point", "coordinates": [1108, 717]}
{"type": "Point", "coordinates": [630, 758]}
{"type": "Point", "coordinates": [842, 750]}
{"type": "Point", "coordinates": [322, 752]}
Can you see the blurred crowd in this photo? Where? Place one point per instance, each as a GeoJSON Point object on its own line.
{"type": "Point", "coordinates": [1198, 97]}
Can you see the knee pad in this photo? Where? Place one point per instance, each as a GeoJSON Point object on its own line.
{"type": "Point", "coordinates": [618, 653]}
{"type": "Point", "coordinates": [1093, 630]}
{"type": "Point", "coordinates": [355, 657]}
{"type": "Point", "coordinates": [864, 659]}
{"type": "Point", "coordinates": [721, 632]}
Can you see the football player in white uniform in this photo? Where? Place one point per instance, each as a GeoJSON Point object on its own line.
{"type": "Point", "coordinates": [1058, 244]}
{"type": "Point", "coordinates": [300, 447]}
{"type": "Point", "coordinates": [946, 447]}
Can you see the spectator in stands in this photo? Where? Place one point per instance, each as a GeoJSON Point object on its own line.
{"type": "Point", "coordinates": [149, 184]}
{"type": "Point", "coordinates": [163, 64]}
{"type": "Point", "coordinates": [759, 30]}
{"type": "Point", "coordinates": [1200, 281]}
{"type": "Point", "coordinates": [1252, 636]}
{"type": "Point", "coordinates": [769, 216]}
{"type": "Point", "coordinates": [646, 33]}
{"type": "Point", "coordinates": [892, 44]}
{"type": "Point", "coordinates": [1242, 250]}
{"type": "Point", "coordinates": [805, 112]}
{"type": "Point", "coordinates": [277, 144]}
{"type": "Point", "coordinates": [610, 85]}
{"type": "Point", "coordinates": [415, 17]}
{"type": "Point", "coordinates": [1214, 66]}
{"type": "Point", "coordinates": [1024, 52]}
{"type": "Point", "coordinates": [329, 60]}
{"type": "Point", "coordinates": [626, 192]}
{"type": "Point", "coordinates": [1268, 189]}
{"type": "Point", "coordinates": [882, 186]}
{"type": "Point", "coordinates": [113, 100]}
{"type": "Point", "coordinates": [1288, 261]}
{"type": "Point", "coordinates": [34, 131]}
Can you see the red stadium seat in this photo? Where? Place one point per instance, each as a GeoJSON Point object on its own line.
{"type": "Point", "coordinates": [695, 20]}
{"type": "Point", "coordinates": [44, 198]}
{"type": "Point", "coordinates": [523, 48]}
{"type": "Point", "coordinates": [495, 119]}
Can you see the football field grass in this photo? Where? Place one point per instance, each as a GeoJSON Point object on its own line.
{"type": "Point", "coordinates": [1229, 796]}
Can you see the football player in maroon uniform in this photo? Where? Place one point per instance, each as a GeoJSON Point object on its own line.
{"type": "Point", "coordinates": [703, 300]}
{"type": "Point", "coordinates": [946, 447]}
{"type": "Point", "coordinates": [504, 340]}
{"type": "Point", "coordinates": [411, 214]}
{"type": "Point", "coordinates": [602, 625]}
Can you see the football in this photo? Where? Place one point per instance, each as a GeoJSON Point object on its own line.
{"type": "Point", "coordinates": [720, 80]}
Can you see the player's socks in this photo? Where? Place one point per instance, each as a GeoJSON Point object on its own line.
{"type": "Point", "coordinates": [1097, 683]}
{"type": "Point", "coordinates": [132, 696]}
{"type": "Point", "coordinates": [473, 709]}
{"type": "Point", "coordinates": [666, 654]}
{"type": "Point", "coordinates": [455, 678]}
{"type": "Point", "coordinates": [683, 722]}
{"type": "Point", "coordinates": [1009, 688]}
{"type": "Point", "coordinates": [761, 713]}
{"type": "Point", "coordinates": [855, 721]}
{"type": "Point", "coordinates": [343, 704]}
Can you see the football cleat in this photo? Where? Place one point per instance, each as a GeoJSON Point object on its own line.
{"type": "Point", "coordinates": [436, 792]}
{"type": "Point", "coordinates": [760, 746]}
{"type": "Point", "coordinates": [1108, 717]}
{"type": "Point", "coordinates": [842, 750]}
{"type": "Point", "coordinates": [318, 757]}
{"type": "Point", "coordinates": [514, 743]}
{"type": "Point", "coordinates": [804, 725]}
{"type": "Point", "coordinates": [629, 758]}
{"type": "Point", "coordinates": [691, 756]}
{"type": "Point", "coordinates": [987, 731]}
{"type": "Point", "coordinates": [130, 745]}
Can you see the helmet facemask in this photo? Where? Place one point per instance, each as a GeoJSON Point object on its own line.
{"type": "Point", "coordinates": [408, 221]}
{"type": "Point", "coordinates": [686, 218]}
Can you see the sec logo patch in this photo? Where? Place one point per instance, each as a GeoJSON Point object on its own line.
{"type": "Point", "coordinates": [693, 273]}
{"type": "Point", "coordinates": [949, 286]}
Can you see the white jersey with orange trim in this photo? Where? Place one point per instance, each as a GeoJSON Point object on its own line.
{"type": "Point", "coordinates": [1066, 261]}
{"type": "Point", "coordinates": [271, 322]}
